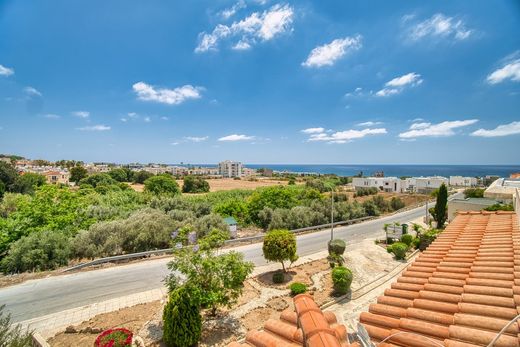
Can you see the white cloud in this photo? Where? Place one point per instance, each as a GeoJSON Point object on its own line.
{"type": "Point", "coordinates": [398, 84]}
{"type": "Point", "coordinates": [231, 11]}
{"type": "Point", "coordinates": [132, 115]}
{"type": "Point", "coordinates": [174, 96]}
{"type": "Point", "coordinates": [328, 54]}
{"type": "Point", "coordinates": [346, 135]}
{"type": "Point", "coordinates": [164, 118]}
{"type": "Point", "coordinates": [509, 71]}
{"type": "Point", "coordinates": [124, 120]}
{"type": "Point", "coordinates": [174, 143]}
{"type": "Point", "coordinates": [236, 137]}
{"type": "Point", "coordinates": [313, 130]}
{"type": "Point", "coordinates": [440, 26]}
{"type": "Point", "coordinates": [81, 114]}
{"type": "Point", "coordinates": [369, 124]}
{"type": "Point", "coordinates": [95, 128]}
{"type": "Point", "coordinates": [51, 116]}
{"type": "Point", "coordinates": [31, 91]}
{"type": "Point", "coordinates": [512, 128]}
{"type": "Point", "coordinates": [257, 26]}
{"type": "Point", "coordinates": [196, 138]}
{"type": "Point", "coordinates": [426, 129]}
{"type": "Point", "coordinates": [147, 119]}
{"type": "Point", "coordinates": [6, 71]}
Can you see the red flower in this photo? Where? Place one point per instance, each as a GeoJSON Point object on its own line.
{"type": "Point", "coordinates": [118, 337]}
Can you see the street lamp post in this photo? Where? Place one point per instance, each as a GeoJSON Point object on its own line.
{"type": "Point", "coordinates": [331, 213]}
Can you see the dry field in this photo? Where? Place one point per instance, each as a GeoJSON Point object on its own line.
{"type": "Point", "coordinates": [218, 184]}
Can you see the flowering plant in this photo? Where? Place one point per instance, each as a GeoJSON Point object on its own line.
{"type": "Point", "coordinates": [118, 337]}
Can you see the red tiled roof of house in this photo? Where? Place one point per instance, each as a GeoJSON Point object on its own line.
{"type": "Point", "coordinates": [307, 326]}
{"type": "Point", "coordinates": [460, 292]}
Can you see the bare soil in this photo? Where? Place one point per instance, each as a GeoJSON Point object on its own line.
{"type": "Point", "coordinates": [131, 318]}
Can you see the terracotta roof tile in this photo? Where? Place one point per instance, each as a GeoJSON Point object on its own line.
{"type": "Point", "coordinates": [460, 292]}
{"type": "Point", "coordinates": [307, 326]}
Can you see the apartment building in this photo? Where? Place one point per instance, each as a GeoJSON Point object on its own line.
{"type": "Point", "coordinates": [230, 168]}
{"type": "Point", "coordinates": [460, 181]}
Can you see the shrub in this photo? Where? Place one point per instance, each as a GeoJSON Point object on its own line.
{"type": "Point", "coordinates": [194, 184]}
{"type": "Point", "coordinates": [427, 238]}
{"type": "Point", "coordinates": [161, 184]}
{"type": "Point", "coordinates": [279, 246]}
{"type": "Point", "coordinates": [416, 241]}
{"type": "Point", "coordinates": [13, 335]}
{"type": "Point", "coordinates": [399, 250]}
{"type": "Point", "coordinates": [118, 337]}
{"type": "Point", "coordinates": [396, 203]}
{"type": "Point", "coordinates": [297, 288]}
{"type": "Point", "coordinates": [278, 277]}
{"type": "Point", "coordinates": [342, 279]}
{"type": "Point", "coordinates": [500, 207]}
{"type": "Point", "coordinates": [407, 239]}
{"type": "Point", "coordinates": [182, 322]}
{"type": "Point", "coordinates": [45, 250]}
{"type": "Point", "coordinates": [335, 259]}
{"type": "Point", "coordinates": [337, 247]}
{"type": "Point", "coordinates": [474, 193]}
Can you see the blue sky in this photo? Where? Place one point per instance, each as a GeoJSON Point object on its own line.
{"type": "Point", "coordinates": [261, 81]}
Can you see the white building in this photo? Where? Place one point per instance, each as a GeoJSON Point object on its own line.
{"type": "Point", "coordinates": [230, 168]}
{"type": "Point", "coordinates": [385, 184]}
{"type": "Point", "coordinates": [460, 181]}
{"type": "Point", "coordinates": [428, 184]}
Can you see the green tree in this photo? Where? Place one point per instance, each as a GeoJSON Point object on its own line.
{"type": "Point", "coordinates": [396, 203]}
{"type": "Point", "coordinates": [219, 277]}
{"type": "Point", "coordinates": [26, 183]}
{"type": "Point", "coordinates": [98, 179]}
{"type": "Point", "coordinates": [8, 175]}
{"type": "Point", "coordinates": [161, 184]}
{"type": "Point", "coordinates": [13, 335]}
{"type": "Point", "coordinates": [119, 175]}
{"type": "Point", "coordinates": [182, 322]}
{"type": "Point", "coordinates": [272, 197]}
{"type": "Point", "coordinates": [232, 208]}
{"type": "Point", "coordinates": [279, 246]}
{"type": "Point", "coordinates": [141, 176]}
{"type": "Point", "coordinates": [77, 173]}
{"type": "Point", "coordinates": [440, 211]}
{"type": "Point", "coordinates": [194, 184]}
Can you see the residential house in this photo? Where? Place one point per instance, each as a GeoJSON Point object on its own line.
{"type": "Point", "coordinates": [426, 185]}
{"type": "Point", "coordinates": [459, 181]}
{"type": "Point", "coordinates": [384, 184]}
{"type": "Point", "coordinates": [57, 177]}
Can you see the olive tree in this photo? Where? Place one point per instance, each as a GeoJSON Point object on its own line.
{"type": "Point", "coordinates": [280, 246]}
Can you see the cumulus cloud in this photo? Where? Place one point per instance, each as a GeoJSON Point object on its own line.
{"type": "Point", "coordinates": [345, 136]}
{"type": "Point", "coordinates": [6, 71]}
{"type": "Point", "coordinates": [512, 128]}
{"type": "Point", "coordinates": [174, 96]}
{"type": "Point", "coordinates": [313, 130]}
{"type": "Point", "coordinates": [236, 137]}
{"type": "Point", "coordinates": [253, 28]}
{"type": "Point", "coordinates": [439, 26]}
{"type": "Point", "coordinates": [81, 114]}
{"type": "Point", "coordinates": [329, 53]}
{"type": "Point", "coordinates": [368, 124]}
{"type": "Point", "coordinates": [231, 11]}
{"type": "Point", "coordinates": [398, 84]}
{"type": "Point", "coordinates": [31, 91]}
{"type": "Point", "coordinates": [99, 127]}
{"type": "Point", "coordinates": [51, 116]}
{"type": "Point", "coordinates": [196, 138]}
{"type": "Point", "coordinates": [426, 129]}
{"type": "Point", "coordinates": [510, 70]}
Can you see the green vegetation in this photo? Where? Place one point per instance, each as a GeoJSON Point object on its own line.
{"type": "Point", "coordinates": [500, 207]}
{"type": "Point", "coordinates": [77, 173]}
{"type": "Point", "coordinates": [341, 279]}
{"type": "Point", "coordinates": [12, 335]}
{"type": "Point", "coordinates": [399, 250]}
{"type": "Point", "coordinates": [407, 239]}
{"type": "Point", "coordinates": [297, 288]}
{"type": "Point", "coordinates": [366, 191]}
{"type": "Point", "coordinates": [26, 183]}
{"type": "Point", "coordinates": [194, 184]}
{"type": "Point", "coordinates": [425, 239]}
{"type": "Point", "coordinates": [182, 321]}
{"type": "Point", "coordinates": [396, 203]}
{"type": "Point", "coordinates": [280, 246]}
{"type": "Point", "coordinates": [161, 185]}
{"type": "Point", "coordinates": [336, 249]}
{"type": "Point", "coordinates": [440, 211]}
{"type": "Point", "coordinates": [278, 277]}
{"type": "Point", "coordinates": [474, 193]}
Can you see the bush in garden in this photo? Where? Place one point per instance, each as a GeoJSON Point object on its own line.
{"type": "Point", "coordinates": [416, 241]}
{"type": "Point", "coordinates": [427, 238]}
{"type": "Point", "coordinates": [297, 288]}
{"type": "Point", "coordinates": [182, 322]}
{"type": "Point", "coordinates": [407, 239]}
{"type": "Point", "coordinates": [278, 277]}
{"type": "Point", "coordinates": [118, 337]}
{"type": "Point", "coordinates": [342, 279]}
{"type": "Point", "coordinates": [335, 259]}
{"type": "Point", "coordinates": [12, 335]}
{"type": "Point", "coordinates": [399, 250]}
{"type": "Point", "coordinates": [336, 246]}
{"type": "Point", "coordinates": [279, 246]}
{"type": "Point", "coordinates": [44, 250]}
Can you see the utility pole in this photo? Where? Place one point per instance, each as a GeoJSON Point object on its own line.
{"type": "Point", "coordinates": [332, 213]}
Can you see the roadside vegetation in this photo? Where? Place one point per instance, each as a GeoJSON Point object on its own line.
{"type": "Point", "coordinates": [44, 226]}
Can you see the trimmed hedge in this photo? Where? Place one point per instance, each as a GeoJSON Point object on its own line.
{"type": "Point", "coordinates": [297, 288]}
{"type": "Point", "coordinates": [342, 279]}
{"type": "Point", "coordinates": [399, 250]}
{"type": "Point", "coordinates": [336, 246]}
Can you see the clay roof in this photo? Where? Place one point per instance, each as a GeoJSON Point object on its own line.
{"type": "Point", "coordinates": [460, 292]}
{"type": "Point", "coordinates": [307, 326]}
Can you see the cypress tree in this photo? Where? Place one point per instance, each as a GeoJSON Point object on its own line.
{"type": "Point", "coordinates": [439, 213]}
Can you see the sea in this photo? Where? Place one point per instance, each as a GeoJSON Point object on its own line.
{"type": "Point", "coordinates": [393, 170]}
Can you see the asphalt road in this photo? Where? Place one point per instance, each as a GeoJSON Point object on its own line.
{"type": "Point", "coordinates": [40, 297]}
